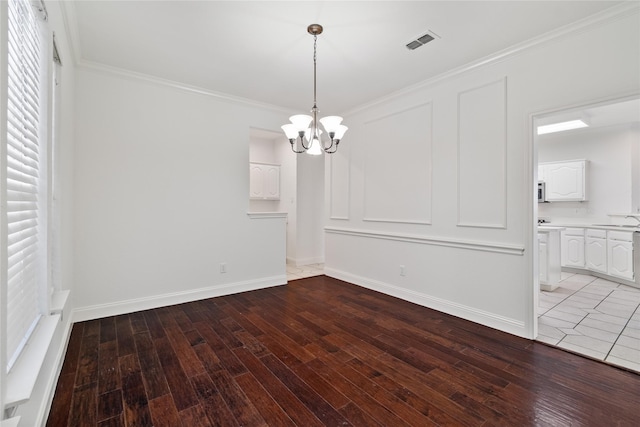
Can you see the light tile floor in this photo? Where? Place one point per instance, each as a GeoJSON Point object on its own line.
{"type": "Point", "coordinates": [304, 271]}
{"type": "Point", "coordinates": [592, 316]}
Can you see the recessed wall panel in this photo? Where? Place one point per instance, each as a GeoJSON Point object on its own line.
{"type": "Point", "coordinates": [482, 190]}
{"type": "Point", "coordinates": [339, 184]}
{"type": "Point", "coordinates": [397, 171]}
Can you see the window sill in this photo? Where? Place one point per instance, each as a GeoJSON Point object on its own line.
{"type": "Point", "coordinates": [22, 378]}
{"type": "Point", "coordinates": [261, 215]}
{"type": "Point", "coordinates": [23, 375]}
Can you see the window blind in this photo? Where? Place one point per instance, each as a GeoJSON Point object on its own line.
{"type": "Point", "coordinates": [26, 263]}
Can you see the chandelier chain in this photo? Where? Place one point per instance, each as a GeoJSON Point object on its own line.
{"type": "Point", "coordinates": [315, 43]}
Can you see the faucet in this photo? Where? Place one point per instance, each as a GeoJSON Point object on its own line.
{"type": "Point", "coordinates": [634, 217]}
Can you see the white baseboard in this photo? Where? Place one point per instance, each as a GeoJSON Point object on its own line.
{"type": "Point", "coordinates": [129, 306]}
{"type": "Point", "coordinates": [491, 320]}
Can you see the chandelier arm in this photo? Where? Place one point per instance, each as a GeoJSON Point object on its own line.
{"type": "Point", "coordinates": [329, 151]}
{"type": "Point", "coordinates": [306, 147]}
{"type": "Point", "coordinates": [292, 142]}
{"type": "Point", "coordinates": [326, 149]}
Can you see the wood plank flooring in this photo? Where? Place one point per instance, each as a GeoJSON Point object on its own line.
{"type": "Point", "coordinates": [322, 352]}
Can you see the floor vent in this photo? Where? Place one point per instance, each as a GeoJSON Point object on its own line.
{"type": "Point", "coordinates": [422, 40]}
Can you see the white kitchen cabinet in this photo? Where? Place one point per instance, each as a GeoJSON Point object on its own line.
{"type": "Point", "coordinates": [549, 258]}
{"type": "Point", "coordinates": [572, 247]}
{"type": "Point", "coordinates": [602, 251]}
{"type": "Point", "coordinates": [542, 172]}
{"type": "Point", "coordinates": [543, 267]}
{"type": "Point", "coordinates": [264, 181]}
{"type": "Point", "coordinates": [564, 181]}
{"type": "Point", "coordinates": [596, 250]}
{"type": "Point", "coordinates": [620, 254]}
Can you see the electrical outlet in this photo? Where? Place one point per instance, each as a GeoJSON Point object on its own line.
{"type": "Point", "coordinates": [223, 267]}
{"type": "Point", "coordinates": [403, 271]}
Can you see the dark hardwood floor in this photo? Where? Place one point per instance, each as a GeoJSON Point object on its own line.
{"type": "Point", "coordinates": [324, 352]}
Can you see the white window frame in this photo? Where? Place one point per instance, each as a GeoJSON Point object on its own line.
{"type": "Point", "coordinates": [34, 303]}
{"type": "Point", "coordinates": [17, 386]}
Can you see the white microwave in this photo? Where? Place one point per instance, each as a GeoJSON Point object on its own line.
{"type": "Point", "coordinates": [541, 192]}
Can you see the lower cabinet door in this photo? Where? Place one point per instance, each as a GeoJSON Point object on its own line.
{"type": "Point", "coordinates": [573, 251]}
{"type": "Point", "coordinates": [543, 267]}
{"type": "Point", "coordinates": [620, 256]}
{"type": "Point", "coordinates": [596, 254]}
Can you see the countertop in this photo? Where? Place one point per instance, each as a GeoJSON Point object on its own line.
{"type": "Point", "coordinates": [549, 228]}
{"type": "Point", "coordinates": [598, 226]}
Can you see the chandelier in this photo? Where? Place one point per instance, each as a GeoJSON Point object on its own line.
{"type": "Point", "coordinates": [305, 128]}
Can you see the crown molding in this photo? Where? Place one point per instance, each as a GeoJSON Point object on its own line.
{"type": "Point", "coordinates": [609, 15]}
{"type": "Point", "coordinates": [71, 27]}
{"type": "Point", "coordinates": [136, 76]}
{"type": "Point", "coordinates": [606, 16]}
{"type": "Point", "coordinates": [70, 22]}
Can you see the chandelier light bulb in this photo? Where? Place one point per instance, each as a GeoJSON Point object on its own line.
{"type": "Point", "coordinates": [315, 149]}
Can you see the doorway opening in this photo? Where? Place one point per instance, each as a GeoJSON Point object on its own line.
{"type": "Point", "coordinates": [285, 182]}
{"type": "Point", "coordinates": [588, 299]}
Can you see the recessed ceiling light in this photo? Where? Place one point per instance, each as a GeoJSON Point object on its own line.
{"type": "Point", "coordinates": [562, 126]}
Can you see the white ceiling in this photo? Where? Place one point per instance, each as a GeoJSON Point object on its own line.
{"type": "Point", "coordinates": [260, 50]}
{"type": "Point", "coordinates": [625, 112]}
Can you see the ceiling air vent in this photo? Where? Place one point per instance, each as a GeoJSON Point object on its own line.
{"type": "Point", "coordinates": [422, 40]}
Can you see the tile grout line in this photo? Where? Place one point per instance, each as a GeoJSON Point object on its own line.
{"type": "Point", "coordinates": [620, 334]}
{"type": "Point", "coordinates": [560, 302]}
{"type": "Point", "coordinates": [565, 298]}
{"type": "Point", "coordinates": [602, 299]}
{"type": "Point", "coordinates": [585, 316]}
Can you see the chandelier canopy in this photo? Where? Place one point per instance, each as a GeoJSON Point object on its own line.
{"type": "Point", "coordinates": [304, 129]}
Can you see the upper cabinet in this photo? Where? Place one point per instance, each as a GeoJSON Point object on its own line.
{"type": "Point", "coordinates": [565, 181]}
{"type": "Point", "coordinates": [264, 181]}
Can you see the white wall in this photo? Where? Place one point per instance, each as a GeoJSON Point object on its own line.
{"type": "Point", "coordinates": [162, 197]}
{"type": "Point", "coordinates": [609, 151]}
{"type": "Point", "coordinates": [459, 177]}
{"type": "Point", "coordinates": [310, 209]}
{"type": "Point", "coordinates": [288, 193]}
{"type": "Point", "coordinates": [261, 150]}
